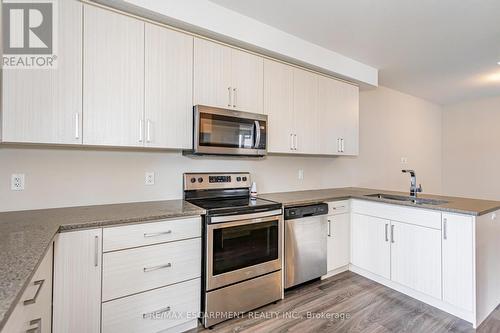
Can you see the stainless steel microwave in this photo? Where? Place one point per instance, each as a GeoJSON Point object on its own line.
{"type": "Point", "coordinates": [219, 131]}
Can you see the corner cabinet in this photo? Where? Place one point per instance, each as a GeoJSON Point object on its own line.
{"type": "Point", "coordinates": [45, 105]}
{"type": "Point", "coordinates": [77, 281]}
{"type": "Point", "coordinates": [227, 78]}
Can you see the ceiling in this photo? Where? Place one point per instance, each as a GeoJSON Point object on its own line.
{"type": "Point", "coordinates": [445, 51]}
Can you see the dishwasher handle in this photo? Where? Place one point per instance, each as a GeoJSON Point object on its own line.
{"type": "Point", "coordinates": [298, 212]}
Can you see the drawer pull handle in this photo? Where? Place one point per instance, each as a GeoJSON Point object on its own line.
{"type": "Point", "coordinates": [156, 234]}
{"type": "Point", "coordinates": [154, 268]}
{"type": "Point", "coordinates": [38, 328]}
{"type": "Point", "coordinates": [38, 283]}
{"type": "Point", "coordinates": [155, 313]}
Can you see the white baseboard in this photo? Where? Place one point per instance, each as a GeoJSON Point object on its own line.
{"type": "Point", "coordinates": [335, 272]}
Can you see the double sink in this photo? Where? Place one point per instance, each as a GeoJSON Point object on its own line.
{"type": "Point", "coordinates": [402, 198]}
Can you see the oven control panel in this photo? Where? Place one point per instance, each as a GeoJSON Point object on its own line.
{"type": "Point", "coordinates": [208, 181]}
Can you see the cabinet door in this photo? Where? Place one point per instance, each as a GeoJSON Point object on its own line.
{"type": "Point", "coordinates": [212, 74]}
{"type": "Point", "coordinates": [305, 105]}
{"type": "Point", "coordinates": [77, 281]}
{"type": "Point", "coordinates": [458, 251]}
{"type": "Point", "coordinates": [416, 257]}
{"type": "Point", "coordinates": [339, 231]}
{"type": "Point", "coordinates": [113, 78]}
{"type": "Point", "coordinates": [370, 249]}
{"type": "Point", "coordinates": [338, 117]}
{"type": "Point", "coordinates": [168, 88]}
{"type": "Point", "coordinates": [247, 78]}
{"type": "Point", "coordinates": [45, 105]}
{"type": "Point", "coordinates": [348, 118]}
{"type": "Point", "coordinates": [278, 105]}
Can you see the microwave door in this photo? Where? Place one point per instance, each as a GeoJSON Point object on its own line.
{"type": "Point", "coordinates": [257, 134]}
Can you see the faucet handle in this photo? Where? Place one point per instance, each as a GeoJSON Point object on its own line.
{"type": "Point", "coordinates": [419, 188]}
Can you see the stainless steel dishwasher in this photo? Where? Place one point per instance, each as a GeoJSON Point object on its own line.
{"type": "Point", "coordinates": [305, 243]}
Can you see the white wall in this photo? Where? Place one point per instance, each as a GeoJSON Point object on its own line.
{"type": "Point", "coordinates": [70, 177]}
{"type": "Point", "coordinates": [471, 149]}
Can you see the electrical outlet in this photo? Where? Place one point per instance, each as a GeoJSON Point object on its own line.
{"type": "Point", "coordinates": [17, 182]}
{"type": "Point", "coordinates": [301, 174]}
{"type": "Point", "coordinates": [404, 160]}
{"type": "Point", "coordinates": [149, 178]}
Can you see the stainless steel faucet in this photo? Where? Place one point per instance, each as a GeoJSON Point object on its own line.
{"type": "Point", "coordinates": [414, 189]}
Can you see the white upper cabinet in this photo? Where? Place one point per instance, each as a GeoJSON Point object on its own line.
{"type": "Point", "coordinates": [278, 106]}
{"type": "Point", "coordinates": [247, 73]}
{"type": "Point", "coordinates": [212, 74]}
{"type": "Point", "coordinates": [45, 105]}
{"type": "Point", "coordinates": [338, 117]}
{"type": "Point", "coordinates": [168, 88]}
{"type": "Point", "coordinates": [227, 78]}
{"type": "Point", "coordinates": [113, 103]}
{"type": "Point", "coordinates": [305, 109]}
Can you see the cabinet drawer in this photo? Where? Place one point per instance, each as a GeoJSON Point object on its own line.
{"type": "Point", "coordinates": [153, 311]}
{"type": "Point", "coordinates": [418, 216]}
{"type": "Point", "coordinates": [34, 307]}
{"type": "Point", "coordinates": [117, 238]}
{"type": "Point", "coordinates": [136, 270]}
{"type": "Point", "coordinates": [338, 207]}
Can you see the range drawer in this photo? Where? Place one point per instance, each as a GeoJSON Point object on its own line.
{"type": "Point", "coordinates": [153, 311]}
{"type": "Point", "coordinates": [338, 207]}
{"type": "Point", "coordinates": [123, 237]}
{"type": "Point", "coordinates": [33, 312]}
{"type": "Point", "coordinates": [140, 269]}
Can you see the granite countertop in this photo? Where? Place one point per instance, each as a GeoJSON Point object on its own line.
{"type": "Point", "coordinates": [25, 236]}
{"type": "Point", "coordinates": [467, 206]}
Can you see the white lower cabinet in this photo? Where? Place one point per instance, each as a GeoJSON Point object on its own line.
{"type": "Point", "coordinates": [339, 230]}
{"type": "Point", "coordinates": [154, 311]}
{"type": "Point", "coordinates": [416, 257]}
{"type": "Point", "coordinates": [458, 260]}
{"type": "Point", "coordinates": [33, 311]}
{"type": "Point", "coordinates": [371, 249]}
{"type": "Point", "coordinates": [77, 281]}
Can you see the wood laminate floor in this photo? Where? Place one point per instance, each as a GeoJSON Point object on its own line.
{"type": "Point", "coordinates": [361, 305]}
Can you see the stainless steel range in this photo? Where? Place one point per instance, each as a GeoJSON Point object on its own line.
{"type": "Point", "coordinates": [242, 245]}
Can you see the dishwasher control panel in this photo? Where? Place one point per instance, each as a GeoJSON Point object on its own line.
{"type": "Point", "coordinates": [306, 211]}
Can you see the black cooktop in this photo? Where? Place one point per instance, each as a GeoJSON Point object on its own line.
{"type": "Point", "coordinates": [234, 205]}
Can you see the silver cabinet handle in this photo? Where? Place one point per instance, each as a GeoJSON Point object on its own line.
{"type": "Point", "coordinates": [155, 313]}
{"type": "Point", "coordinates": [235, 93]}
{"type": "Point", "coordinates": [386, 232]}
{"type": "Point", "coordinates": [257, 134]}
{"type": "Point", "coordinates": [77, 125]}
{"type": "Point", "coordinates": [38, 283]}
{"type": "Point", "coordinates": [96, 251]}
{"type": "Point", "coordinates": [342, 144]}
{"type": "Point", "coordinates": [156, 234]}
{"type": "Point", "coordinates": [291, 141]}
{"type": "Point", "coordinates": [329, 228]}
{"type": "Point", "coordinates": [148, 130]}
{"type": "Point", "coordinates": [339, 146]}
{"type": "Point", "coordinates": [445, 231]}
{"type": "Point", "coordinates": [229, 96]}
{"type": "Point", "coordinates": [154, 268]}
{"type": "Point", "coordinates": [141, 134]}
{"type": "Point", "coordinates": [392, 233]}
{"type": "Point", "coordinates": [296, 142]}
{"type": "Point", "coordinates": [38, 328]}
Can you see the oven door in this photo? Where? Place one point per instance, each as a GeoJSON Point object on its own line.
{"type": "Point", "coordinates": [242, 249]}
{"type": "Point", "coordinates": [228, 132]}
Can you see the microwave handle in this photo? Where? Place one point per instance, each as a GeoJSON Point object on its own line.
{"type": "Point", "coordinates": [257, 134]}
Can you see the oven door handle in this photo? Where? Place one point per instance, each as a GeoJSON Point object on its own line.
{"type": "Point", "coordinates": [244, 218]}
{"type": "Point", "coordinates": [257, 134]}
